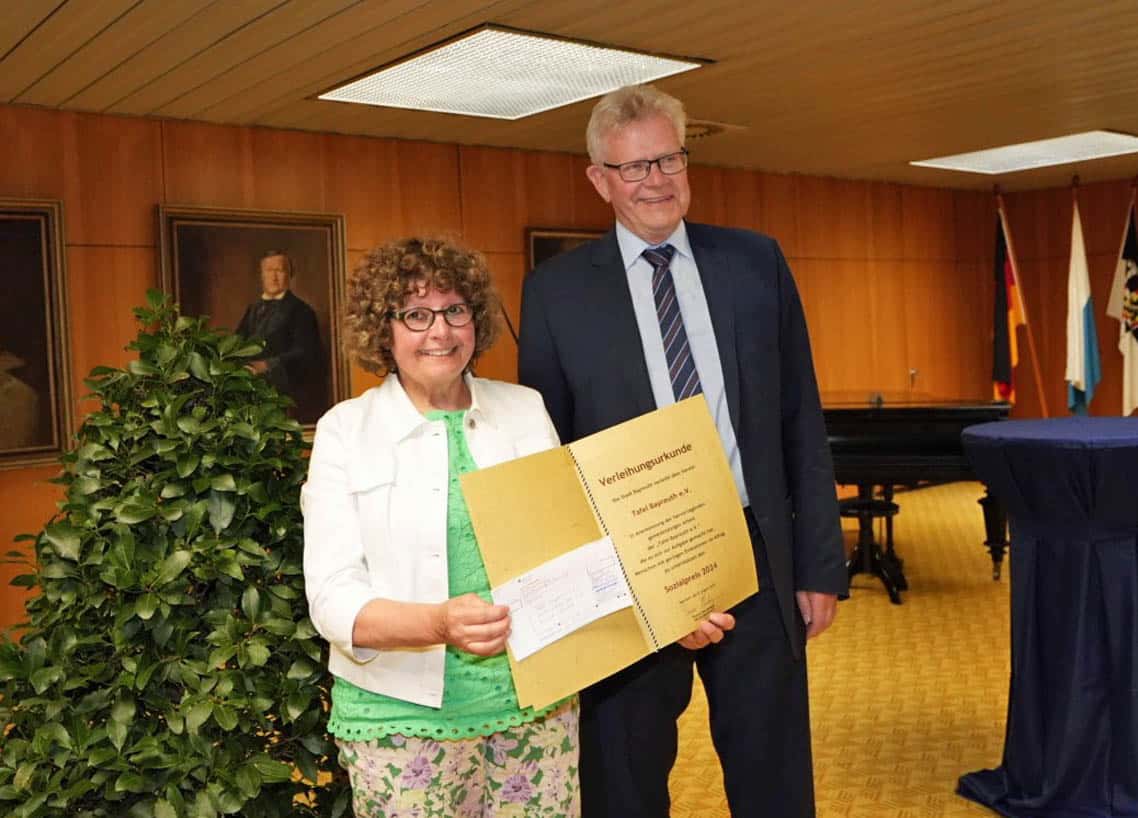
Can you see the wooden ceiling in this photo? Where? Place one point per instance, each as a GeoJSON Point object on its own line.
{"type": "Point", "coordinates": [844, 88]}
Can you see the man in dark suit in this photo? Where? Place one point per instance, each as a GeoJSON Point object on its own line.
{"type": "Point", "coordinates": [657, 310]}
{"type": "Point", "coordinates": [292, 357]}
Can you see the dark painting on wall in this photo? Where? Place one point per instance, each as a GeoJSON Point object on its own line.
{"type": "Point", "coordinates": [35, 390]}
{"type": "Point", "coordinates": [274, 276]}
{"type": "Point", "coordinates": [546, 242]}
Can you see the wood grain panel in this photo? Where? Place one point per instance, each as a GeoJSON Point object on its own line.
{"type": "Point", "coordinates": [838, 306]}
{"type": "Point", "coordinates": [21, 17]}
{"type": "Point", "coordinates": [887, 328]}
{"type": "Point", "coordinates": [169, 52]}
{"type": "Point", "coordinates": [743, 196]}
{"type": "Point", "coordinates": [118, 42]}
{"type": "Point", "coordinates": [590, 211]}
{"type": "Point", "coordinates": [209, 165]}
{"type": "Point", "coordinates": [228, 53]}
{"type": "Point", "coordinates": [283, 170]}
{"type": "Point", "coordinates": [29, 502]}
{"type": "Point", "coordinates": [884, 238]}
{"type": "Point", "coordinates": [113, 178]}
{"type": "Point", "coordinates": [105, 284]}
{"type": "Point", "coordinates": [833, 218]}
{"type": "Point", "coordinates": [708, 195]}
{"type": "Point", "coordinates": [780, 212]}
{"type": "Point", "coordinates": [936, 318]}
{"type": "Point", "coordinates": [33, 141]}
{"type": "Point", "coordinates": [927, 223]}
{"type": "Point", "coordinates": [57, 37]}
{"type": "Point", "coordinates": [975, 214]}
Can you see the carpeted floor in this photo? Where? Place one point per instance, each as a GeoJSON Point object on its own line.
{"type": "Point", "coordinates": [904, 698]}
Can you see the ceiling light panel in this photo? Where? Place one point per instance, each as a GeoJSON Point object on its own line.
{"type": "Point", "coordinates": [1042, 153]}
{"type": "Point", "coordinates": [506, 75]}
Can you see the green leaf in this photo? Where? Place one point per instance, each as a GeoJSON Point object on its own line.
{"type": "Point", "coordinates": [123, 710]}
{"type": "Point", "coordinates": [301, 669]}
{"type": "Point", "coordinates": [198, 367]}
{"type": "Point", "coordinates": [223, 482]}
{"type": "Point", "coordinates": [64, 538]}
{"type": "Point", "coordinates": [117, 732]}
{"type": "Point", "coordinates": [141, 368]}
{"type": "Point", "coordinates": [251, 603]}
{"type": "Point", "coordinates": [172, 566]}
{"type": "Point", "coordinates": [130, 782]}
{"type": "Point", "coordinates": [197, 715]}
{"type": "Point", "coordinates": [164, 809]}
{"type": "Point", "coordinates": [24, 775]}
{"type": "Point", "coordinates": [134, 513]}
{"type": "Point", "coordinates": [44, 678]}
{"type": "Point", "coordinates": [258, 653]}
{"type": "Point", "coordinates": [225, 717]}
{"type": "Point", "coordinates": [189, 424]}
{"type": "Point", "coordinates": [187, 464]}
{"type": "Point", "coordinates": [221, 506]}
{"type": "Point", "coordinates": [172, 490]}
{"type": "Point", "coordinates": [146, 605]}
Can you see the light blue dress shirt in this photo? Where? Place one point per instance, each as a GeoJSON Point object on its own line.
{"type": "Point", "coordinates": [697, 323]}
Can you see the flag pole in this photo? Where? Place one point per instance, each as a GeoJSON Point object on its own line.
{"type": "Point", "coordinates": [1022, 305]}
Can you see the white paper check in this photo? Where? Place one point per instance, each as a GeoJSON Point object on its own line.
{"type": "Point", "coordinates": [562, 595]}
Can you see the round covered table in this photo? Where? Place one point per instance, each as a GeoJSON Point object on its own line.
{"type": "Point", "coordinates": [1070, 487]}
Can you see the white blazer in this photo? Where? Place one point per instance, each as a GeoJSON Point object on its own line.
{"type": "Point", "coordinates": [375, 517]}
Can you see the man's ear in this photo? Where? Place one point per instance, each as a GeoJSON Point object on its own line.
{"type": "Point", "coordinates": [600, 181]}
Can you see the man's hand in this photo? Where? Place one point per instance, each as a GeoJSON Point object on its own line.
{"type": "Point", "coordinates": [710, 631]}
{"type": "Point", "coordinates": [818, 610]}
{"type": "Point", "coordinates": [471, 624]}
{"type": "Point", "coordinates": [257, 367]}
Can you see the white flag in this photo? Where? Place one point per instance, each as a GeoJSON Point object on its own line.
{"type": "Point", "coordinates": [1123, 306]}
{"type": "Point", "coordinates": [1083, 364]}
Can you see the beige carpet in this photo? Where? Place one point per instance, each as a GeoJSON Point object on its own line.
{"type": "Point", "coordinates": [904, 698]}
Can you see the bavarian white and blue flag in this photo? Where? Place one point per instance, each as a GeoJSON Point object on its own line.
{"type": "Point", "coordinates": [1123, 306]}
{"type": "Point", "coordinates": [1083, 366]}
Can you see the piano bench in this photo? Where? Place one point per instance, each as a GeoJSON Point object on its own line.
{"type": "Point", "coordinates": [868, 556]}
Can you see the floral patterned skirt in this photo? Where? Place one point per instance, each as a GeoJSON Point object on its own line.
{"type": "Point", "coordinates": [529, 771]}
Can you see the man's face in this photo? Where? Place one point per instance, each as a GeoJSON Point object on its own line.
{"type": "Point", "coordinates": [653, 207]}
{"type": "Point", "coordinates": [275, 277]}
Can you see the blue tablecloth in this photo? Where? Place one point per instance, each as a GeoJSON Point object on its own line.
{"type": "Point", "coordinates": [1070, 487]}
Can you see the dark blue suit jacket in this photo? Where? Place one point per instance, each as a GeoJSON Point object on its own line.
{"type": "Point", "coordinates": [580, 347]}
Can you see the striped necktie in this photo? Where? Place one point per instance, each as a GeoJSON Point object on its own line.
{"type": "Point", "coordinates": [677, 351]}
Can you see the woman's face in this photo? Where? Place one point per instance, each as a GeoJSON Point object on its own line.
{"type": "Point", "coordinates": [435, 358]}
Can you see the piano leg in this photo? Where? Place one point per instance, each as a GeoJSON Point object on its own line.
{"type": "Point", "coordinates": [867, 556]}
{"type": "Point", "coordinates": [996, 530]}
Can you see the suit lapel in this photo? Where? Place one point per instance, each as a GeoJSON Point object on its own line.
{"type": "Point", "coordinates": [611, 298]}
{"type": "Point", "coordinates": [717, 277]}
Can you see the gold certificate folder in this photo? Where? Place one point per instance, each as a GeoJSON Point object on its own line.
{"type": "Point", "coordinates": [660, 486]}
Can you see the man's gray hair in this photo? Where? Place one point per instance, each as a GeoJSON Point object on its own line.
{"type": "Point", "coordinates": [632, 103]}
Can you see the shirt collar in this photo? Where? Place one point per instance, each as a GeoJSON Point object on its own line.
{"type": "Point", "coordinates": [265, 297]}
{"type": "Point", "coordinates": [404, 419]}
{"type": "Point", "coordinates": [631, 245]}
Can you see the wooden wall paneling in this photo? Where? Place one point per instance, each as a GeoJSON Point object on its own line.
{"type": "Point", "coordinates": [286, 167]}
{"type": "Point", "coordinates": [389, 189]}
{"type": "Point", "coordinates": [492, 188]}
{"type": "Point", "coordinates": [927, 224]}
{"type": "Point", "coordinates": [105, 284]}
{"type": "Point", "coordinates": [935, 320]}
{"type": "Point", "coordinates": [590, 211]}
{"type": "Point", "coordinates": [884, 239]}
{"type": "Point", "coordinates": [33, 141]}
{"type": "Point", "coordinates": [29, 502]}
{"type": "Point", "coordinates": [207, 165]}
{"type": "Point", "coordinates": [112, 179]}
{"type": "Point", "coordinates": [975, 216]}
{"type": "Point", "coordinates": [501, 360]}
{"type": "Point", "coordinates": [743, 195]}
{"type": "Point", "coordinates": [1103, 211]}
{"type": "Point", "coordinates": [886, 327]}
{"type": "Point", "coordinates": [708, 195]}
{"type": "Point", "coordinates": [833, 218]}
{"type": "Point", "coordinates": [780, 211]}
{"type": "Point", "coordinates": [975, 302]}
{"type": "Point", "coordinates": [838, 310]}
{"type": "Point", "coordinates": [359, 379]}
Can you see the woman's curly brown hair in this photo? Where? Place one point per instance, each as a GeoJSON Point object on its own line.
{"type": "Point", "coordinates": [381, 281]}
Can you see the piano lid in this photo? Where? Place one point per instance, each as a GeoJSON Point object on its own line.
{"type": "Point", "coordinates": [886, 399]}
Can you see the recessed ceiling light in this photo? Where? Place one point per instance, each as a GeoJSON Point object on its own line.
{"type": "Point", "coordinates": [506, 74]}
{"type": "Point", "coordinates": [1042, 153]}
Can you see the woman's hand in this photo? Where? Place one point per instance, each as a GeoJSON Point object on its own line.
{"type": "Point", "coordinates": [471, 624]}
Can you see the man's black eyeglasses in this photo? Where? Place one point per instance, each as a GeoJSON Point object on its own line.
{"type": "Point", "coordinates": [420, 319]}
{"type": "Point", "coordinates": [638, 170]}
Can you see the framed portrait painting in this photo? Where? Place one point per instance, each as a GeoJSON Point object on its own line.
{"type": "Point", "coordinates": [546, 242]}
{"type": "Point", "coordinates": [35, 384]}
{"type": "Point", "coordinates": [275, 276]}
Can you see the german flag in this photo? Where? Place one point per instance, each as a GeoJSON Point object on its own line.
{"type": "Point", "coordinates": [1008, 315]}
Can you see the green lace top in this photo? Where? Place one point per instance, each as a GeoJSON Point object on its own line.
{"type": "Point", "coordinates": [478, 692]}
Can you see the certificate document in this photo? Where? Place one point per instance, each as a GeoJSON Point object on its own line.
{"type": "Point", "coordinates": [659, 491]}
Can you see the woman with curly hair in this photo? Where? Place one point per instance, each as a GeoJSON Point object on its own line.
{"type": "Point", "coordinates": [423, 703]}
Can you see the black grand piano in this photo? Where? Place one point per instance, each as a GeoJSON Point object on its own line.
{"type": "Point", "coordinates": [880, 441]}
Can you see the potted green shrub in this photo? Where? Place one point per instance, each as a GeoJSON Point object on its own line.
{"type": "Point", "coordinates": [168, 667]}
